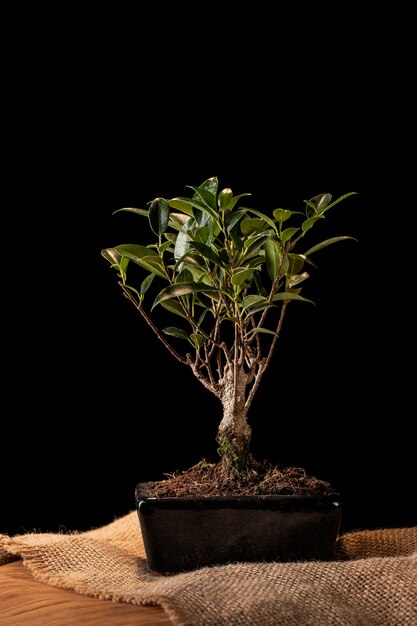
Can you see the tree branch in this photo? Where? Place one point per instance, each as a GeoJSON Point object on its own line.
{"type": "Point", "coordinates": [160, 336]}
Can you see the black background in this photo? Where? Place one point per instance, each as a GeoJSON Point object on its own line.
{"type": "Point", "coordinates": [92, 402]}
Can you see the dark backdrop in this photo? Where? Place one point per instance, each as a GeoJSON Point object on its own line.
{"type": "Point", "coordinates": [95, 404]}
{"type": "Point", "coordinates": [92, 404]}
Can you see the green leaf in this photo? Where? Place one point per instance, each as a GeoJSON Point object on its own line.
{"type": "Point", "coordinates": [132, 210]}
{"type": "Point", "coordinates": [177, 290]}
{"type": "Point", "coordinates": [259, 329]}
{"type": "Point", "coordinates": [143, 256]}
{"type": "Point", "coordinates": [176, 332]}
{"type": "Point", "coordinates": [206, 196]}
{"type": "Point", "coordinates": [284, 267]}
{"type": "Point", "coordinates": [159, 216]}
{"type": "Point", "coordinates": [253, 244]}
{"type": "Point", "coordinates": [224, 199]}
{"type": "Point", "coordinates": [346, 195]}
{"type": "Point", "coordinates": [191, 260]}
{"type": "Point", "coordinates": [227, 318]}
{"type": "Point", "coordinates": [309, 223]}
{"type": "Point", "coordinates": [111, 255]}
{"type": "Point", "coordinates": [206, 252]}
{"type": "Point", "coordinates": [295, 279]}
{"type": "Point", "coordinates": [211, 185]}
{"type": "Point", "coordinates": [146, 283]}
{"type": "Point", "coordinates": [139, 251]}
{"type": "Point", "coordinates": [320, 204]}
{"type": "Point", "coordinates": [180, 203]}
{"type": "Point", "coordinates": [281, 215]}
{"type": "Point", "coordinates": [288, 233]}
{"type": "Point", "coordinates": [227, 201]}
{"type": "Point", "coordinates": [262, 307]}
{"type": "Point", "coordinates": [272, 257]}
{"type": "Point", "coordinates": [124, 262]}
{"type": "Point", "coordinates": [286, 295]}
{"type": "Point", "coordinates": [255, 262]}
{"type": "Point", "coordinates": [265, 218]}
{"type": "Point", "coordinates": [205, 234]}
{"type": "Point", "coordinates": [202, 218]}
{"type": "Point", "coordinates": [233, 219]}
{"type": "Point", "coordinates": [164, 246]}
{"type": "Point", "coordinates": [182, 245]}
{"type": "Point", "coordinates": [241, 275]}
{"type": "Point", "coordinates": [184, 276]}
{"type": "Point", "coordinates": [252, 225]}
{"type": "Point", "coordinates": [135, 291]}
{"type": "Point", "coordinates": [295, 263]}
{"type": "Point", "coordinates": [207, 308]}
{"type": "Point", "coordinates": [197, 340]}
{"type": "Point", "coordinates": [177, 221]}
{"type": "Point", "coordinates": [252, 301]}
{"type": "Point", "coordinates": [321, 201]}
{"type": "Point", "coordinates": [173, 306]}
{"type": "Point", "coordinates": [327, 242]}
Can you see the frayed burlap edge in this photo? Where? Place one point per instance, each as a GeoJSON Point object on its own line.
{"type": "Point", "coordinates": [109, 563]}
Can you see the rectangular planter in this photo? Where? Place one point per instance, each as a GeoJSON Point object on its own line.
{"type": "Point", "coordinates": [186, 533]}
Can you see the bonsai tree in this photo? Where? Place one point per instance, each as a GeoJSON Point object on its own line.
{"type": "Point", "coordinates": [227, 274]}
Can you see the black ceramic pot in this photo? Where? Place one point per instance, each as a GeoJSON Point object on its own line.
{"type": "Point", "coordinates": [186, 533]}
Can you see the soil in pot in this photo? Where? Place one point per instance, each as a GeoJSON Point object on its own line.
{"type": "Point", "coordinates": [260, 478]}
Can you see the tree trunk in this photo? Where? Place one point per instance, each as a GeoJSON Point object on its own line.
{"type": "Point", "coordinates": [234, 433]}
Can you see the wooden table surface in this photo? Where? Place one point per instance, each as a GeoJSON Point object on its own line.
{"type": "Point", "coordinates": [23, 601]}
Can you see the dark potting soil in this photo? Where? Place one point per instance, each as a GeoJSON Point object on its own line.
{"type": "Point", "coordinates": [262, 478]}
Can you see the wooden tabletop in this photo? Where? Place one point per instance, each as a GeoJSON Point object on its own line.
{"type": "Point", "coordinates": [23, 601]}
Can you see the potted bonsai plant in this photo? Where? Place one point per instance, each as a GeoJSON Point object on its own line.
{"type": "Point", "coordinates": [226, 275]}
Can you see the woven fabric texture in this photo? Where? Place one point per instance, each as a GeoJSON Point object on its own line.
{"type": "Point", "coordinates": [373, 581]}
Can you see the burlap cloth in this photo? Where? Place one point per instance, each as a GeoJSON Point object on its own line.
{"type": "Point", "coordinates": [373, 582]}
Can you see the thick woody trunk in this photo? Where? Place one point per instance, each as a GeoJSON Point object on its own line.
{"type": "Point", "coordinates": [234, 433]}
